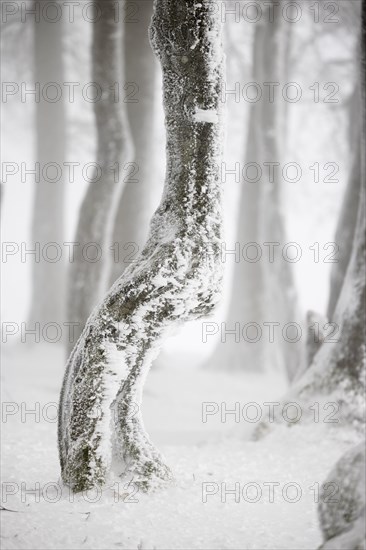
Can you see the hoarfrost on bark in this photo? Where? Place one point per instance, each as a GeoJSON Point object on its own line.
{"type": "Point", "coordinates": [109, 364]}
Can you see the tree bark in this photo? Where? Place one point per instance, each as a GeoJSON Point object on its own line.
{"type": "Point", "coordinates": [142, 188]}
{"type": "Point", "coordinates": [48, 278]}
{"type": "Point", "coordinates": [175, 278]}
{"type": "Point", "coordinates": [88, 279]}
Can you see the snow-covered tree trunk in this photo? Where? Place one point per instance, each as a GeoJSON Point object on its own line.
{"type": "Point", "coordinates": [48, 277]}
{"type": "Point", "coordinates": [142, 187]}
{"type": "Point", "coordinates": [88, 279]}
{"type": "Point", "coordinates": [177, 276]}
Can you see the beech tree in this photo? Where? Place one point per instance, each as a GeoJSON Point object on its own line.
{"type": "Point", "coordinates": [245, 293]}
{"type": "Point", "coordinates": [338, 368]}
{"type": "Point", "coordinates": [47, 304]}
{"type": "Point", "coordinates": [336, 373]}
{"type": "Point", "coordinates": [342, 520]}
{"type": "Point", "coordinates": [177, 276]}
{"type": "Point", "coordinates": [263, 291]}
{"type": "Point", "coordinates": [141, 190]}
{"type": "Point", "coordinates": [278, 296]}
{"type": "Point", "coordinates": [89, 279]}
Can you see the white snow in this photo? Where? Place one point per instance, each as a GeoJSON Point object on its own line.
{"type": "Point", "coordinates": [206, 115]}
{"type": "Point", "coordinates": [159, 281]}
{"type": "Point", "coordinates": [199, 454]}
{"type": "Point", "coordinates": [116, 371]}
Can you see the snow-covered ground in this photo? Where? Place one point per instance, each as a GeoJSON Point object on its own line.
{"type": "Point", "coordinates": [276, 478]}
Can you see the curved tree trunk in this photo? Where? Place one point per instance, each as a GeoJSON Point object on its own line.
{"type": "Point", "coordinates": [87, 279]}
{"type": "Point", "coordinates": [174, 279]}
{"type": "Point", "coordinates": [48, 278]}
{"type": "Point", "coordinates": [142, 188]}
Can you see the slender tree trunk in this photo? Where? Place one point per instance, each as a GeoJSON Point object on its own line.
{"type": "Point", "coordinates": [279, 295]}
{"type": "Point", "coordinates": [48, 277]}
{"type": "Point", "coordinates": [245, 296]}
{"type": "Point", "coordinates": [344, 236]}
{"type": "Point", "coordinates": [342, 520]}
{"type": "Point", "coordinates": [348, 217]}
{"type": "Point", "coordinates": [88, 279]}
{"type": "Point", "coordinates": [338, 369]}
{"type": "Point", "coordinates": [142, 187]}
{"type": "Point", "coordinates": [337, 372]}
{"type": "Point", "coordinates": [263, 291]}
{"type": "Point", "coordinates": [177, 276]}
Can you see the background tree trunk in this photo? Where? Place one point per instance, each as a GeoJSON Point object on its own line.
{"type": "Point", "coordinates": [142, 189]}
{"type": "Point", "coordinates": [343, 521]}
{"type": "Point", "coordinates": [263, 291]}
{"type": "Point", "coordinates": [348, 217]}
{"type": "Point", "coordinates": [176, 278]}
{"type": "Point", "coordinates": [337, 372]}
{"type": "Point", "coordinates": [88, 280]}
{"type": "Point", "coordinates": [48, 278]}
{"type": "Point", "coordinates": [338, 369]}
{"type": "Point", "coordinates": [279, 295]}
{"type": "Point", "coordinates": [245, 293]}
